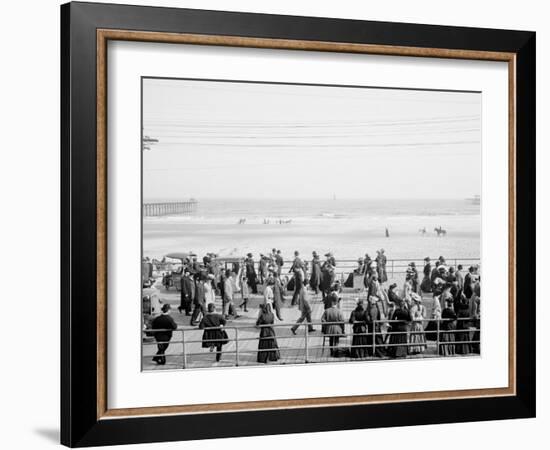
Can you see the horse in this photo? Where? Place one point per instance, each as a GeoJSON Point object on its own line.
{"type": "Point", "coordinates": [241, 221]}
{"type": "Point", "coordinates": [422, 231]}
{"type": "Point", "coordinates": [440, 231]}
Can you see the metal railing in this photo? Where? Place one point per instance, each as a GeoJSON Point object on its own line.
{"type": "Point", "coordinates": [346, 266]}
{"type": "Point", "coordinates": [378, 343]}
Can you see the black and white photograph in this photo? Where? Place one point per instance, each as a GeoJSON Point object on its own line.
{"type": "Point", "coordinates": [294, 223]}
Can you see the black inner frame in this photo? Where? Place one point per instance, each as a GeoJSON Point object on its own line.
{"type": "Point", "coordinates": [79, 423]}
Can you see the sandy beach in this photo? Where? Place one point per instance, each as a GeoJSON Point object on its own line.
{"type": "Point", "coordinates": [348, 229]}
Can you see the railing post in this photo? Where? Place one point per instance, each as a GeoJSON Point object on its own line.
{"type": "Point", "coordinates": [183, 343]}
{"type": "Point", "coordinates": [437, 335]}
{"type": "Point", "coordinates": [236, 346]}
{"type": "Point", "coordinates": [306, 336]}
{"type": "Point", "coordinates": [374, 338]}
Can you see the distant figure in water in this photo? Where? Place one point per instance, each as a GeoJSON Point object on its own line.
{"type": "Point", "coordinates": [387, 233]}
{"type": "Point", "coordinates": [422, 231]}
{"type": "Point", "coordinates": [241, 221]}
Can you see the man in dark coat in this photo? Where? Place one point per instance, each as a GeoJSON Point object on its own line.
{"type": "Point", "coordinates": [199, 301]}
{"type": "Point", "coordinates": [299, 270]}
{"type": "Point", "coordinates": [214, 336]}
{"type": "Point", "coordinates": [165, 324]}
{"type": "Point", "coordinates": [251, 276]}
{"type": "Point", "coordinates": [315, 278]}
{"type": "Point", "coordinates": [187, 293]}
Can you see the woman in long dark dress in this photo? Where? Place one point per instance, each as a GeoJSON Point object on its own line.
{"type": "Point", "coordinates": [399, 332]}
{"type": "Point", "coordinates": [315, 278]}
{"type": "Point", "coordinates": [359, 343]}
{"type": "Point", "coordinates": [268, 350]}
{"type": "Point", "coordinates": [374, 322]}
{"type": "Point", "coordinates": [214, 336]}
{"type": "Point", "coordinates": [447, 327]}
{"type": "Point", "coordinates": [462, 309]}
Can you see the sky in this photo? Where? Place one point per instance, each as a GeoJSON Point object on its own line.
{"type": "Point", "coordinates": [250, 140]}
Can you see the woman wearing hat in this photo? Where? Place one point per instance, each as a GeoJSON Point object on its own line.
{"type": "Point", "coordinates": [268, 350]}
{"type": "Point", "coordinates": [448, 328]}
{"type": "Point", "coordinates": [251, 276]}
{"type": "Point", "coordinates": [381, 266]}
{"type": "Point", "coordinates": [426, 285]}
{"type": "Point", "coordinates": [327, 275]}
{"type": "Point", "coordinates": [315, 278]}
{"type": "Point", "coordinates": [333, 324]}
{"type": "Point", "coordinates": [417, 336]}
{"type": "Point", "coordinates": [358, 321]}
{"type": "Point", "coordinates": [398, 335]}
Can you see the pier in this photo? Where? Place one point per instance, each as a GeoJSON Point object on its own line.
{"type": "Point", "coordinates": [167, 208]}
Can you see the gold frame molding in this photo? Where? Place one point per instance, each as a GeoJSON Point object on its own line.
{"type": "Point", "coordinates": [105, 35]}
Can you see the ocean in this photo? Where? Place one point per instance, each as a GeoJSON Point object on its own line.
{"type": "Point", "coordinates": [347, 227]}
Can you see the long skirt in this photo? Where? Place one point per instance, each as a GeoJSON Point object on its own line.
{"type": "Point", "coordinates": [447, 349]}
{"type": "Point", "coordinates": [360, 343]}
{"type": "Point", "coordinates": [398, 351]}
{"type": "Point", "coordinates": [463, 349]}
{"type": "Point", "coordinates": [268, 343]}
{"type": "Point", "coordinates": [380, 349]}
{"type": "Point", "coordinates": [214, 338]}
{"type": "Point", "coordinates": [417, 337]}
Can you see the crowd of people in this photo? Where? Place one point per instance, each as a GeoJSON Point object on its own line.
{"type": "Point", "coordinates": [439, 303]}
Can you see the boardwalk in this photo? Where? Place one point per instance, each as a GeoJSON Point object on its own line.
{"type": "Point", "coordinates": [292, 347]}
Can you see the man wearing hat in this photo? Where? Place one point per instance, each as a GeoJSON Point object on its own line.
{"type": "Point", "coordinates": [166, 324]}
{"type": "Point", "coordinates": [187, 292]}
{"type": "Point", "coordinates": [327, 274]}
{"type": "Point", "coordinates": [251, 277]}
{"type": "Point", "coordinates": [298, 270]}
{"type": "Point", "coordinates": [315, 278]}
{"type": "Point", "coordinates": [194, 265]}
{"type": "Point", "coordinates": [199, 300]}
{"type": "Point", "coordinates": [305, 309]}
{"type": "Point", "coordinates": [381, 266]}
{"type": "Point", "coordinates": [426, 285]}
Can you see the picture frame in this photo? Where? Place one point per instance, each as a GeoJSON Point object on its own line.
{"type": "Point", "coordinates": [86, 28]}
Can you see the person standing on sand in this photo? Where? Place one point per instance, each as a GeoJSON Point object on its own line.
{"type": "Point", "coordinates": [165, 324]}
